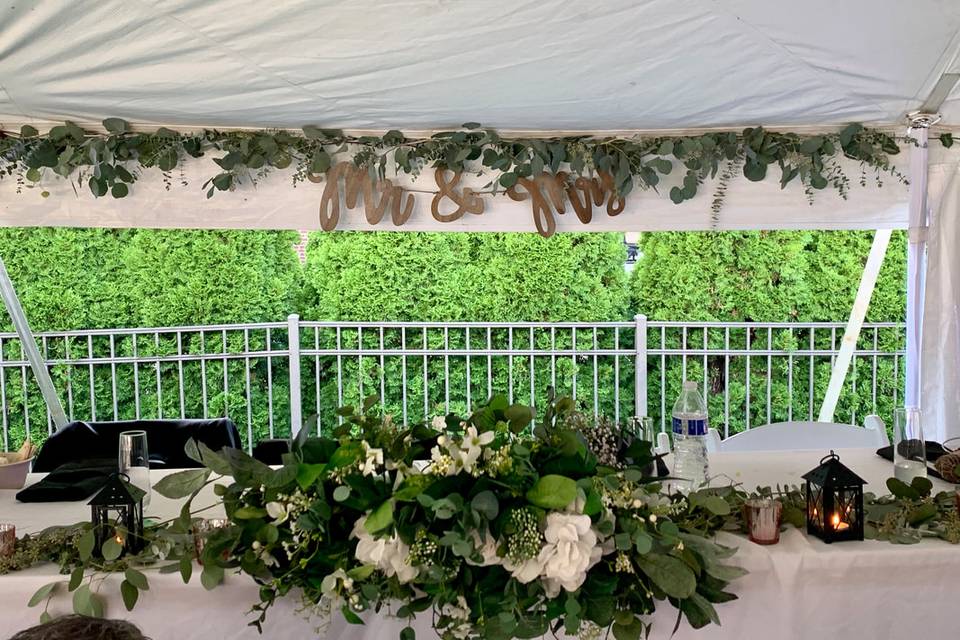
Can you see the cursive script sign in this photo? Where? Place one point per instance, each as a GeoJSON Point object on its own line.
{"type": "Point", "coordinates": [548, 195]}
{"type": "Point", "coordinates": [377, 196]}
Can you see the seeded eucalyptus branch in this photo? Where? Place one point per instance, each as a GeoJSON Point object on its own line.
{"type": "Point", "coordinates": [112, 162]}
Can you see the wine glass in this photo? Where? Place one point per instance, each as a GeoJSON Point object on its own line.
{"type": "Point", "coordinates": [135, 461]}
{"type": "Point", "coordinates": [909, 450]}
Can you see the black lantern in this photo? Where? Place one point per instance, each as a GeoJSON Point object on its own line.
{"type": "Point", "coordinates": [834, 501]}
{"type": "Point", "coordinates": [117, 512]}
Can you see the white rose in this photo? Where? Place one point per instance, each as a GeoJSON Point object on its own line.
{"type": "Point", "coordinates": [570, 551]}
{"type": "Point", "coordinates": [526, 571]}
{"type": "Point", "coordinates": [439, 423]}
{"type": "Point", "coordinates": [390, 555]}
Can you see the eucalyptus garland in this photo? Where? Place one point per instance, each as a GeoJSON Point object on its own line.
{"type": "Point", "coordinates": [112, 162]}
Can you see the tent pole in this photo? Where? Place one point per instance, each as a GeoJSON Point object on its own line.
{"type": "Point", "coordinates": [916, 257]}
{"type": "Point", "coordinates": [857, 314]}
{"type": "Point", "coordinates": [29, 344]}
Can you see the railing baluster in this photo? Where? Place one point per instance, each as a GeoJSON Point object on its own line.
{"type": "Point", "coordinates": [573, 358]}
{"type": "Point", "coordinates": [183, 404]}
{"type": "Point", "coordinates": [136, 379]}
{"type": "Point", "coordinates": [113, 375]}
{"type": "Point", "coordinates": [467, 335]}
{"type": "Point", "coordinates": [446, 369]}
{"type": "Point", "coordinates": [93, 392]}
{"type": "Point", "coordinates": [246, 362]}
{"type": "Point", "coordinates": [403, 370]}
{"type": "Point", "coordinates": [596, 399]}
{"type": "Point", "coordinates": [339, 377]}
{"type": "Point", "coordinates": [510, 363]}
{"type": "Point", "coordinates": [156, 345]}
{"type": "Point", "coordinates": [66, 351]}
{"type": "Point", "coordinates": [746, 421]}
{"type": "Point", "coordinates": [810, 400]}
{"type": "Point", "coordinates": [269, 348]}
{"type": "Point", "coordinates": [726, 382]}
{"type": "Point", "coordinates": [383, 366]}
{"type": "Point", "coordinates": [616, 375]}
{"type": "Point", "coordinates": [790, 376]}
{"type": "Point", "coordinates": [769, 368]}
{"type": "Point", "coordinates": [226, 385]}
{"type": "Point", "coordinates": [426, 385]}
{"type": "Point", "coordinates": [203, 373]}
{"type": "Point", "coordinates": [489, 364]}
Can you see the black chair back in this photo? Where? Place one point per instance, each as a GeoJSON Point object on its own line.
{"type": "Point", "coordinates": [166, 440]}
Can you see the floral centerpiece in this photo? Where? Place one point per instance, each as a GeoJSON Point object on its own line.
{"type": "Point", "coordinates": [499, 530]}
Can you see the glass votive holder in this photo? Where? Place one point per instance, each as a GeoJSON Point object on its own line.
{"type": "Point", "coordinates": [763, 517]}
{"type": "Point", "coordinates": [202, 530]}
{"type": "Point", "coordinates": [8, 539]}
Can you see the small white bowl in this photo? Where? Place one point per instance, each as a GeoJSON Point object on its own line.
{"type": "Point", "coordinates": [13, 476]}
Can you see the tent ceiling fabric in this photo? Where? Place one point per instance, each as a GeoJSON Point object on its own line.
{"type": "Point", "coordinates": [510, 64]}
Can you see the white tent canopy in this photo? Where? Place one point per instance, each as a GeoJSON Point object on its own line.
{"type": "Point", "coordinates": [515, 65]}
{"type": "Point", "coordinates": [510, 64]}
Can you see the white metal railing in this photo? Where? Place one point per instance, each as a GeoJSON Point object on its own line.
{"type": "Point", "coordinates": [268, 376]}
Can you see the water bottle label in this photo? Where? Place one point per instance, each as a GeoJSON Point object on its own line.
{"type": "Point", "coordinates": [694, 427]}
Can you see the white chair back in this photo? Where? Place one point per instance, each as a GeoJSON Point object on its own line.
{"type": "Point", "coordinates": [785, 436]}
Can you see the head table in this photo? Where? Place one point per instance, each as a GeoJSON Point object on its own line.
{"type": "Point", "coordinates": [800, 588]}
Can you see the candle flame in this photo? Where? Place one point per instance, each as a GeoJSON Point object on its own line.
{"type": "Point", "coordinates": [835, 520]}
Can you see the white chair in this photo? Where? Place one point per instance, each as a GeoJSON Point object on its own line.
{"type": "Point", "coordinates": [785, 436]}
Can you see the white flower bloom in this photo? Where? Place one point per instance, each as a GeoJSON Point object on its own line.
{"type": "Point", "coordinates": [570, 551]}
{"type": "Point", "coordinates": [372, 459]}
{"type": "Point", "coordinates": [526, 571]}
{"type": "Point", "coordinates": [390, 555]}
{"type": "Point", "coordinates": [487, 548]}
{"type": "Point", "coordinates": [439, 423]}
{"type": "Point", "coordinates": [278, 511]}
{"type": "Point", "coordinates": [473, 444]}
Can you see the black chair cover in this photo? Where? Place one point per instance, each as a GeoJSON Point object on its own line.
{"type": "Point", "coordinates": [166, 440]}
{"type": "Point", "coordinates": [271, 451]}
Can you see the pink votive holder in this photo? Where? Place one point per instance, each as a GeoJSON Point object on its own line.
{"type": "Point", "coordinates": [763, 517]}
{"type": "Point", "coordinates": [8, 539]}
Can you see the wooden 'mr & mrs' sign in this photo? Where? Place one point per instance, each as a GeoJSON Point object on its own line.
{"type": "Point", "coordinates": [548, 195]}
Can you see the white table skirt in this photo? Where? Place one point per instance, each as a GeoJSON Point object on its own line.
{"type": "Point", "coordinates": [798, 589]}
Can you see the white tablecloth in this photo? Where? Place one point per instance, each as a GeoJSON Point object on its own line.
{"type": "Point", "coordinates": [798, 589]}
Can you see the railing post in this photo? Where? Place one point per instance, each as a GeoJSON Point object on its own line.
{"type": "Point", "coordinates": [640, 366]}
{"type": "Point", "coordinates": [293, 347]}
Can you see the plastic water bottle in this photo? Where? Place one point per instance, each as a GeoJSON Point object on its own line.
{"type": "Point", "coordinates": [690, 437]}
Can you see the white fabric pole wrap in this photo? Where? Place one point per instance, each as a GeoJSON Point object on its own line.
{"type": "Point", "coordinates": [916, 248]}
{"type": "Point", "coordinates": [881, 240]}
{"type": "Point", "coordinates": [940, 341]}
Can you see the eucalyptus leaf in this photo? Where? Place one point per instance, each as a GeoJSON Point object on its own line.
{"type": "Point", "coordinates": [136, 578]}
{"type": "Point", "coordinates": [182, 483]}
{"type": "Point", "coordinates": [42, 594]}
{"type": "Point", "coordinates": [130, 594]}
{"type": "Point", "coordinates": [111, 549]}
{"type": "Point", "coordinates": [670, 574]}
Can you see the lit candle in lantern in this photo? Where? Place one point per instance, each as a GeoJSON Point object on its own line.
{"type": "Point", "coordinates": [837, 524]}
